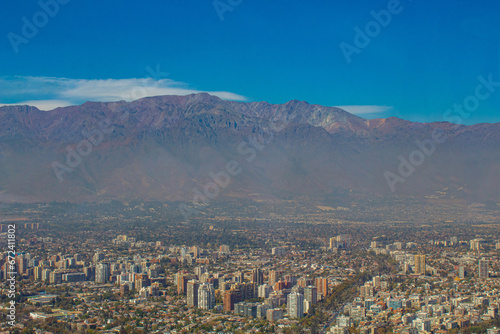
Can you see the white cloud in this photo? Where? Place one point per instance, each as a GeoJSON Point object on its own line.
{"type": "Point", "coordinates": [41, 104]}
{"type": "Point", "coordinates": [47, 93]}
{"type": "Point", "coordinates": [363, 110]}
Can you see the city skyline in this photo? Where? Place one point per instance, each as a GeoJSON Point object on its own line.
{"type": "Point", "coordinates": [232, 166]}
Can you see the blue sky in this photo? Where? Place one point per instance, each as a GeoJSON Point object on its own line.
{"type": "Point", "coordinates": [425, 60]}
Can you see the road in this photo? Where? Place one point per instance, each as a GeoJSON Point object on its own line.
{"type": "Point", "coordinates": [332, 319]}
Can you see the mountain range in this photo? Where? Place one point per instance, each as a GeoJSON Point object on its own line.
{"type": "Point", "coordinates": [187, 148]}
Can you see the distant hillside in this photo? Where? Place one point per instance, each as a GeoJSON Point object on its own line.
{"type": "Point", "coordinates": [167, 148]}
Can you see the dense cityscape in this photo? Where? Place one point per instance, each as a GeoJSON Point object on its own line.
{"type": "Point", "coordinates": [250, 167]}
{"type": "Point", "coordinates": [137, 268]}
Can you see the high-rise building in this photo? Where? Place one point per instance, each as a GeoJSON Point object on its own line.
{"type": "Point", "coordinates": [144, 293]}
{"type": "Point", "coordinates": [340, 241]}
{"type": "Point", "coordinates": [278, 251]}
{"type": "Point", "coordinates": [145, 264]}
{"type": "Point", "coordinates": [474, 244]}
{"type": "Point", "coordinates": [55, 277]}
{"type": "Point", "coordinates": [224, 249]}
{"type": "Point", "coordinates": [239, 277]}
{"type": "Point", "coordinates": [264, 291]}
{"type": "Point", "coordinates": [273, 277]}
{"type": "Point", "coordinates": [71, 262]}
{"type": "Point", "coordinates": [182, 281]}
{"type": "Point", "coordinates": [366, 291]}
{"type": "Point", "coordinates": [247, 290]}
{"type": "Point", "coordinates": [257, 276]}
{"type": "Point", "coordinates": [23, 265]}
{"type": "Point", "coordinates": [295, 305]}
{"type": "Point", "coordinates": [333, 242]}
{"type": "Point", "coordinates": [124, 289]}
{"type": "Point", "coordinates": [184, 251]}
{"type": "Point", "coordinates": [343, 241]}
{"type": "Point", "coordinates": [423, 325]}
{"type": "Point", "coordinates": [89, 273]}
{"type": "Point", "coordinates": [303, 282]}
{"type": "Point", "coordinates": [395, 303]}
{"type": "Point", "coordinates": [275, 314]}
{"type": "Point", "coordinates": [46, 275]}
{"type": "Point", "coordinates": [97, 257]}
{"type": "Point", "coordinates": [322, 286]}
{"type": "Point", "coordinates": [205, 277]}
{"type": "Point", "coordinates": [420, 264]}
{"type": "Point", "coordinates": [154, 290]}
{"type": "Point", "coordinates": [261, 310]}
{"type": "Point", "coordinates": [230, 298]}
{"type": "Point", "coordinates": [134, 268]}
{"type": "Point", "coordinates": [357, 312]}
{"type": "Point", "coordinates": [102, 273]}
{"type": "Point", "coordinates": [33, 262]}
{"type": "Point", "coordinates": [278, 286]}
{"type": "Point", "coordinates": [141, 281]}
{"type": "Point", "coordinates": [493, 312]}
{"type": "Point", "coordinates": [206, 296]}
{"type": "Point", "coordinates": [291, 280]}
{"type": "Point", "coordinates": [311, 294]}
{"type": "Point", "coordinates": [73, 277]}
{"type": "Point", "coordinates": [192, 293]}
{"type": "Point", "coordinates": [200, 270]}
{"type": "Point", "coordinates": [225, 286]}
{"type": "Point", "coordinates": [38, 273]}
{"type": "Point", "coordinates": [196, 251]}
{"type": "Point", "coordinates": [461, 272]}
{"type": "Point", "coordinates": [344, 321]}
{"type": "Point", "coordinates": [246, 309]}
{"type": "Point", "coordinates": [483, 268]}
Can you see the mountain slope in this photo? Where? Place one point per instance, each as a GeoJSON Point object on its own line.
{"type": "Point", "coordinates": [165, 147]}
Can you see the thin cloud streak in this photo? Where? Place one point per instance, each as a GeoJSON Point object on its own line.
{"type": "Point", "coordinates": [47, 93]}
{"type": "Point", "coordinates": [41, 104]}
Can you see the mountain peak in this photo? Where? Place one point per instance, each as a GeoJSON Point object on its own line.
{"type": "Point", "coordinates": [167, 145]}
{"type": "Point", "coordinates": [203, 97]}
{"type": "Point", "coordinates": [297, 102]}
